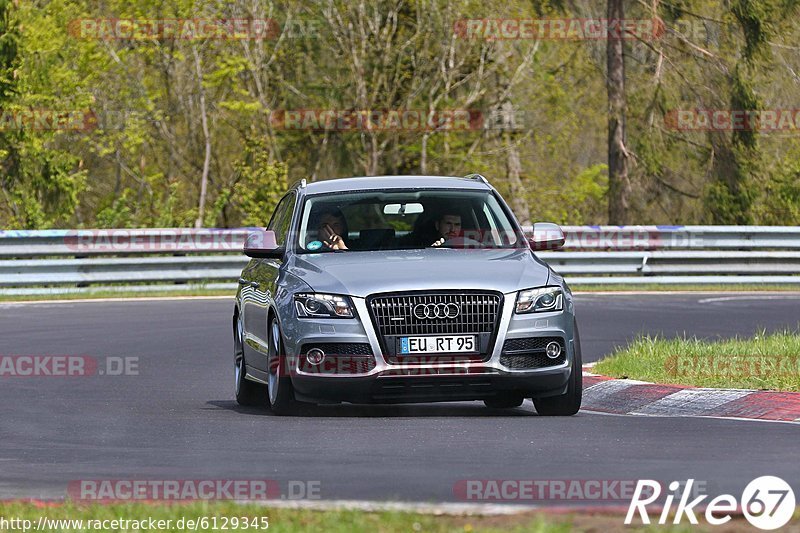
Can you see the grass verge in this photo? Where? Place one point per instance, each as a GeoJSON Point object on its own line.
{"type": "Point", "coordinates": [576, 286]}
{"type": "Point", "coordinates": [233, 516]}
{"type": "Point", "coordinates": [764, 361]}
{"type": "Point", "coordinates": [114, 294]}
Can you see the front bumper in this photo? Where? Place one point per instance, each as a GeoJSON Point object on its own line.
{"type": "Point", "coordinates": [450, 381]}
{"type": "Point", "coordinates": [383, 388]}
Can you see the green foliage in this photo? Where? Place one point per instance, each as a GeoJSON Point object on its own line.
{"type": "Point", "coordinates": [142, 164]}
{"type": "Point", "coordinates": [42, 182]}
{"type": "Point", "coordinates": [728, 204]}
{"type": "Point", "coordinates": [583, 202]}
{"type": "Point", "coordinates": [120, 214]}
{"type": "Point", "coordinates": [157, 203]}
{"type": "Point", "coordinates": [261, 185]}
{"type": "Point", "coordinates": [743, 96]}
{"type": "Point", "coordinates": [754, 18]}
{"type": "Point", "coordinates": [731, 195]}
{"type": "Point", "coordinates": [9, 50]}
{"type": "Point", "coordinates": [782, 198]}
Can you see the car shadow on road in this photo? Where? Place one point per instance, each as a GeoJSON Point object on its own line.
{"type": "Point", "coordinates": [451, 409]}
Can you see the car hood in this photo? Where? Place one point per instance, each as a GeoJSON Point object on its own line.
{"type": "Point", "coordinates": [364, 273]}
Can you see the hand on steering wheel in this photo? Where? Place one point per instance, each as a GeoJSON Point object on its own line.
{"type": "Point", "coordinates": [458, 242]}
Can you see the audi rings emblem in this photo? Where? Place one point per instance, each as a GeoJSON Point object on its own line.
{"type": "Point", "coordinates": [423, 311]}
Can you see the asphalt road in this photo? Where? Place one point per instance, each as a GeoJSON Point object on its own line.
{"type": "Point", "coordinates": [176, 419]}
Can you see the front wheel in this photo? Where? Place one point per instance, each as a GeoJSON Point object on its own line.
{"type": "Point", "coordinates": [281, 394]}
{"type": "Point", "coordinates": [247, 392]}
{"type": "Point", "coordinates": [568, 403]}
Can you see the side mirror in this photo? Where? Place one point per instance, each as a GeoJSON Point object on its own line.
{"type": "Point", "coordinates": [261, 244]}
{"type": "Point", "coordinates": [547, 236]}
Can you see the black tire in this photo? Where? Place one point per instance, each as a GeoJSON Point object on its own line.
{"type": "Point", "coordinates": [568, 403]}
{"type": "Point", "coordinates": [247, 392]}
{"type": "Point", "coordinates": [504, 401]}
{"type": "Point", "coordinates": [281, 393]}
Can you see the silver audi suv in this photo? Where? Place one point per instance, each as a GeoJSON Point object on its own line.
{"type": "Point", "coordinates": [403, 289]}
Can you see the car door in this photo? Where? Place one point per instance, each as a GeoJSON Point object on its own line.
{"type": "Point", "coordinates": [262, 285]}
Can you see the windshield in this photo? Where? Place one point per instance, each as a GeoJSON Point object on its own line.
{"type": "Point", "coordinates": [397, 220]}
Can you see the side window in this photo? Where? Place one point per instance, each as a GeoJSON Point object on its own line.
{"type": "Point", "coordinates": [282, 219]}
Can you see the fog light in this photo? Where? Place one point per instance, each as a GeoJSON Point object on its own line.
{"type": "Point", "coordinates": [315, 356]}
{"type": "Point", "coordinates": [553, 350]}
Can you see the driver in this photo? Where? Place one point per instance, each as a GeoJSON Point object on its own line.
{"type": "Point", "coordinates": [448, 226]}
{"type": "Point", "coordinates": [331, 226]}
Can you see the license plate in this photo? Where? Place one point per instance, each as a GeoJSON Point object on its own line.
{"type": "Point", "coordinates": [438, 344]}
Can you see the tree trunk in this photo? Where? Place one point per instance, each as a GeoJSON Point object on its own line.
{"type": "Point", "coordinates": [207, 137]}
{"type": "Point", "coordinates": [423, 156]}
{"type": "Point", "coordinates": [619, 185]}
{"type": "Point", "coordinates": [519, 202]}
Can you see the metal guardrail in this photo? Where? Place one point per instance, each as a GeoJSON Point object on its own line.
{"type": "Point", "coordinates": [121, 270]}
{"type": "Point", "coordinates": [681, 237]}
{"type": "Point", "coordinates": [57, 261]}
{"type": "Point", "coordinates": [33, 243]}
{"type": "Point", "coordinates": [39, 243]}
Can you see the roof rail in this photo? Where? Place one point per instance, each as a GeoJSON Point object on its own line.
{"type": "Point", "coordinates": [478, 177]}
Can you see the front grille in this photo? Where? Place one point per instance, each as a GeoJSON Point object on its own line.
{"type": "Point", "coordinates": [394, 315]}
{"type": "Point", "coordinates": [528, 353]}
{"type": "Point", "coordinates": [340, 358]}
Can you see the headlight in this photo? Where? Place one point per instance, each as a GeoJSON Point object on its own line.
{"type": "Point", "coordinates": [316, 305]}
{"type": "Point", "coordinates": [540, 300]}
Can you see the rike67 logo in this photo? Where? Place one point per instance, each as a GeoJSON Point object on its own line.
{"type": "Point", "coordinates": [767, 502]}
